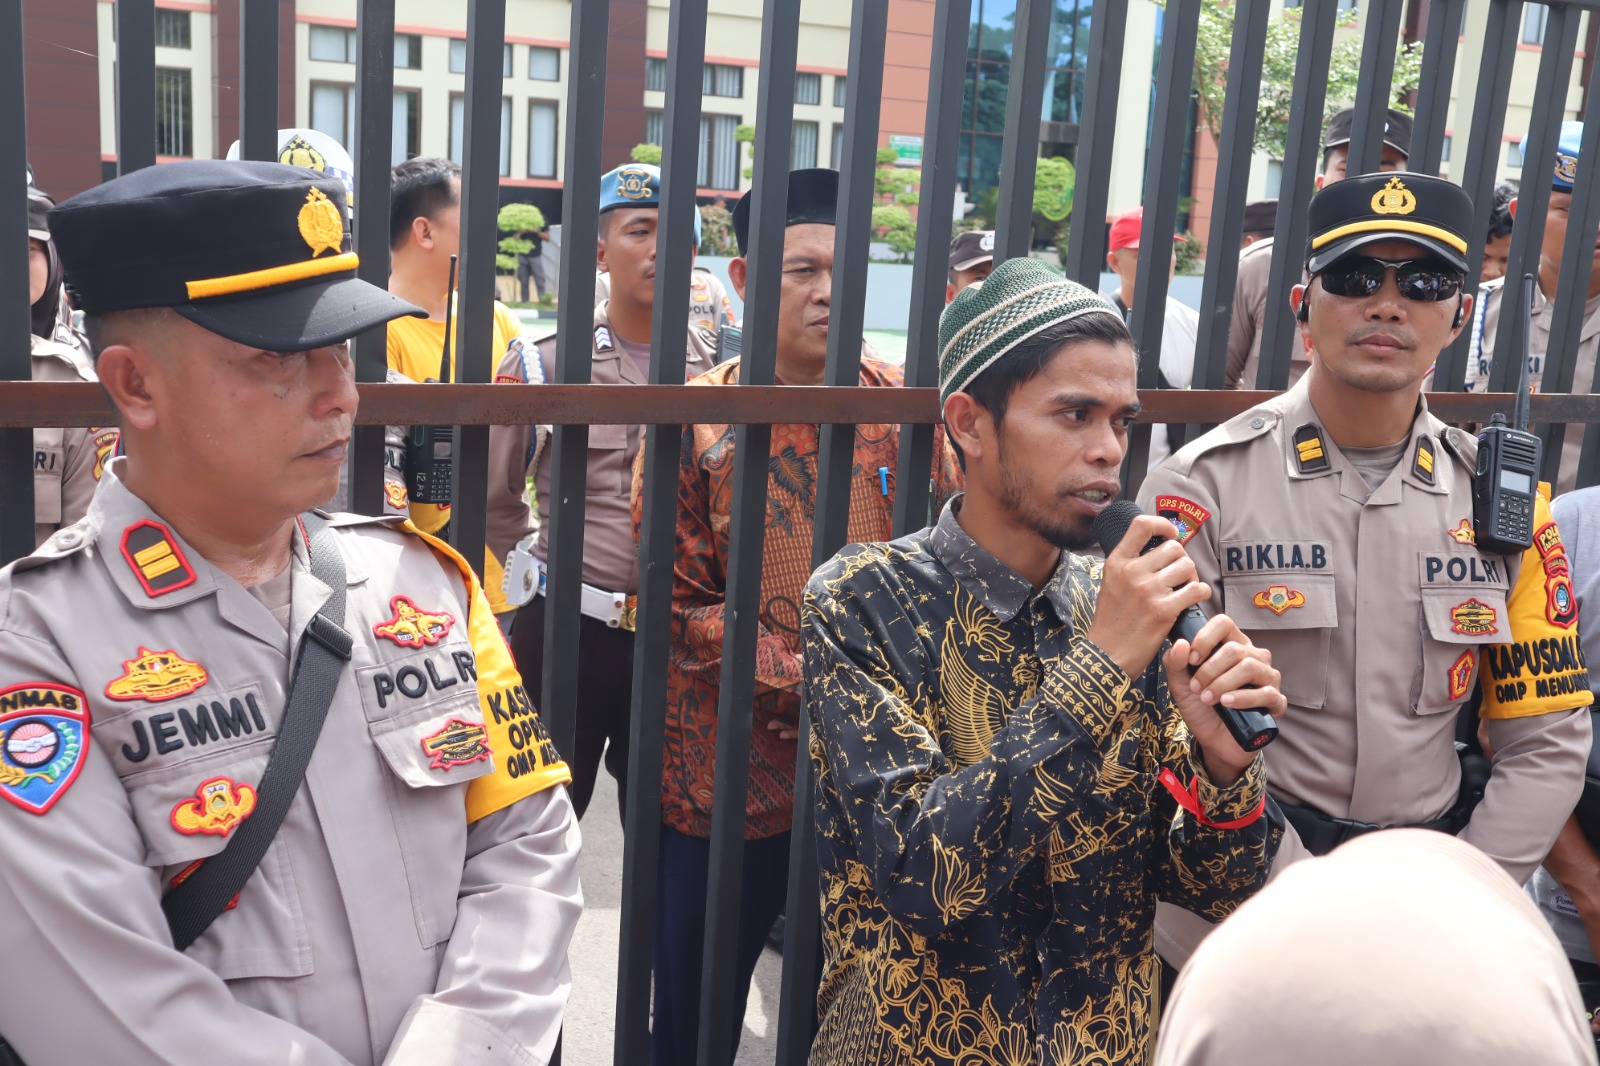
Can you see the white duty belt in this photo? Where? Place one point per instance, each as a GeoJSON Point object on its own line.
{"type": "Point", "coordinates": [526, 576]}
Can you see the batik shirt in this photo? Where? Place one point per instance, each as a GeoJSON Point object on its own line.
{"type": "Point", "coordinates": [999, 807]}
{"type": "Point", "coordinates": [700, 585]}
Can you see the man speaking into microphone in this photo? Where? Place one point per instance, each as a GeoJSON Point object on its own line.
{"type": "Point", "coordinates": [1006, 778]}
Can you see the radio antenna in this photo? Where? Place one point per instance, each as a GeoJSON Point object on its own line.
{"type": "Point", "coordinates": [1519, 406]}
{"type": "Point", "coordinates": [449, 316]}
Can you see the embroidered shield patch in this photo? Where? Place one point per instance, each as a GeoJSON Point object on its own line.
{"type": "Point", "coordinates": [217, 807]}
{"type": "Point", "coordinates": [411, 627]}
{"type": "Point", "coordinates": [44, 735]}
{"type": "Point", "coordinates": [457, 744]}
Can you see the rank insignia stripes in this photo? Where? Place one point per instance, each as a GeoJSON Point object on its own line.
{"type": "Point", "coordinates": [157, 561]}
{"type": "Point", "coordinates": [1422, 460]}
{"type": "Point", "coordinates": [1461, 674]}
{"type": "Point", "coordinates": [1308, 449]}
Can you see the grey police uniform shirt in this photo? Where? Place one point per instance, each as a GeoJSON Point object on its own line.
{"type": "Point", "coordinates": [142, 689]}
{"type": "Point", "coordinates": [67, 463]}
{"type": "Point", "coordinates": [610, 557]}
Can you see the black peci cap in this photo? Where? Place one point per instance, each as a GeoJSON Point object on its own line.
{"type": "Point", "coordinates": [813, 197]}
{"type": "Point", "coordinates": [255, 252]}
{"type": "Point", "coordinates": [1396, 130]}
{"type": "Point", "coordinates": [1369, 208]}
{"type": "Point", "coordinates": [1260, 216]}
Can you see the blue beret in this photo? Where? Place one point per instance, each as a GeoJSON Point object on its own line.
{"type": "Point", "coordinates": [635, 185]}
{"type": "Point", "coordinates": [1567, 145]}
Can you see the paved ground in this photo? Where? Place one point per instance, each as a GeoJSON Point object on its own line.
{"type": "Point", "coordinates": [591, 1011]}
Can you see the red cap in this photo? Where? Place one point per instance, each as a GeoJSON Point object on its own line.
{"type": "Point", "coordinates": [1125, 230]}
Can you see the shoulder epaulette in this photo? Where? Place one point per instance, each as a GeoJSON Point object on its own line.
{"type": "Point", "coordinates": [1240, 429]}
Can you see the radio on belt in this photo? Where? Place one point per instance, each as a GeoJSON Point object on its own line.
{"type": "Point", "coordinates": [431, 450]}
{"type": "Point", "coordinates": [1506, 482]}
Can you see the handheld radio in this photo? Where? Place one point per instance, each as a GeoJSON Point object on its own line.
{"type": "Point", "coordinates": [730, 339]}
{"type": "Point", "coordinates": [430, 450]}
{"type": "Point", "coordinates": [1505, 484]}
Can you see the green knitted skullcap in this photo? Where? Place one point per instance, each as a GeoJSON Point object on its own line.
{"type": "Point", "coordinates": [987, 320]}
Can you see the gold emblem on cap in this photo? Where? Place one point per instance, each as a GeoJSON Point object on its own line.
{"type": "Point", "coordinates": [1567, 168]}
{"type": "Point", "coordinates": [320, 224]}
{"type": "Point", "coordinates": [299, 153]}
{"type": "Point", "coordinates": [633, 183]}
{"type": "Point", "coordinates": [1394, 199]}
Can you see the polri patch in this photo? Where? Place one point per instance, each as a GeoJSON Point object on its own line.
{"type": "Point", "coordinates": [1474, 618]}
{"type": "Point", "coordinates": [1561, 608]}
{"type": "Point", "coordinates": [411, 627]}
{"type": "Point", "coordinates": [1422, 460]}
{"type": "Point", "coordinates": [459, 743]}
{"type": "Point", "coordinates": [1464, 533]}
{"type": "Point", "coordinates": [217, 807]}
{"type": "Point", "coordinates": [1461, 674]}
{"type": "Point", "coordinates": [157, 561]}
{"type": "Point", "coordinates": [44, 735]}
{"type": "Point", "coordinates": [1279, 598]}
{"type": "Point", "coordinates": [1309, 450]}
{"type": "Point", "coordinates": [1186, 516]}
{"type": "Point", "coordinates": [156, 676]}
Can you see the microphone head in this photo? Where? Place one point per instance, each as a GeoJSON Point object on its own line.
{"type": "Point", "coordinates": [1111, 524]}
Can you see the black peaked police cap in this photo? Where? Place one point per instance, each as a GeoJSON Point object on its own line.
{"type": "Point", "coordinates": [1392, 206]}
{"type": "Point", "coordinates": [256, 252]}
{"type": "Point", "coordinates": [813, 197]}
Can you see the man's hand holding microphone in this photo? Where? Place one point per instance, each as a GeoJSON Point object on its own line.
{"type": "Point", "coordinates": [1150, 591]}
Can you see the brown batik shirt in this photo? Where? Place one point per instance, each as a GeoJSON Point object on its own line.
{"type": "Point", "coordinates": [999, 807]}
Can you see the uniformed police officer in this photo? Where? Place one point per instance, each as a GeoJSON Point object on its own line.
{"type": "Point", "coordinates": [1335, 523]}
{"type": "Point", "coordinates": [630, 201]}
{"type": "Point", "coordinates": [417, 896]}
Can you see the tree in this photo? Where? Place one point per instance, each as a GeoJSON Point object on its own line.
{"type": "Point", "coordinates": [1053, 182]}
{"type": "Point", "coordinates": [516, 219]}
{"type": "Point", "coordinates": [893, 225]}
{"type": "Point", "coordinates": [1215, 39]}
{"type": "Point", "coordinates": [646, 153]}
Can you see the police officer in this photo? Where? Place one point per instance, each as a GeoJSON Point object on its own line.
{"type": "Point", "coordinates": [630, 200]}
{"type": "Point", "coordinates": [419, 889]}
{"type": "Point", "coordinates": [1335, 523]}
{"type": "Point", "coordinates": [67, 463]}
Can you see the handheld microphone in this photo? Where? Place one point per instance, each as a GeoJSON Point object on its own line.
{"type": "Point", "coordinates": [1252, 729]}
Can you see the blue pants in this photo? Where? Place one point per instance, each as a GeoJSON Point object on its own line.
{"type": "Point", "coordinates": [681, 935]}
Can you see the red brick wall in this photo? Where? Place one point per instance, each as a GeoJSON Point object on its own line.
{"type": "Point", "coordinates": [624, 125]}
{"type": "Point", "coordinates": [63, 93]}
{"type": "Point", "coordinates": [225, 86]}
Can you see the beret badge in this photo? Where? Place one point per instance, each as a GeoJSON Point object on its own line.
{"type": "Point", "coordinates": [1394, 199]}
{"type": "Point", "coordinates": [320, 224]}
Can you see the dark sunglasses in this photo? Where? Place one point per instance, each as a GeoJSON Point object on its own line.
{"type": "Point", "coordinates": [1426, 280]}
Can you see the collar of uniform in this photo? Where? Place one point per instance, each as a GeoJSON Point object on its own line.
{"type": "Point", "coordinates": [998, 587]}
{"type": "Point", "coordinates": [604, 337]}
{"type": "Point", "coordinates": [56, 352]}
{"type": "Point", "coordinates": [1298, 414]}
{"type": "Point", "coordinates": [177, 574]}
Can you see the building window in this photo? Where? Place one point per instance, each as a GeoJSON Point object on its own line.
{"type": "Point", "coordinates": [544, 64]}
{"type": "Point", "coordinates": [333, 110]}
{"type": "Point", "coordinates": [172, 28]}
{"type": "Point", "coordinates": [334, 44]}
{"type": "Point", "coordinates": [407, 51]}
{"type": "Point", "coordinates": [458, 131]}
{"type": "Point", "coordinates": [803, 146]}
{"type": "Point", "coordinates": [652, 127]}
{"type": "Point", "coordinates": [1534, 19]}
{"type": "Point", "coordinates": [407, 142]}
{"type": "Point", "coordinates": [719, 152]}
{"type": "Point", "coordinates": [808, 88]}
{"type": "Point", "coordinates": [1444, 149]}
{"type": "Point", "coordinates": [839, 91]}
{"type": "Point", "coordinates": [836, 158]}
{"type": "Point", "coordinates": [458, 58]}
{"type": "Point", "coordinates": [1513, 153]}
{"type": "Point", "coordinates": [174, 112]}
{"type": "Point", "coordinates": [655, 75]}
{"type": "Point", "coordinates": [543, 129]}
{"type": "Point", "coordinates": [723, 80]}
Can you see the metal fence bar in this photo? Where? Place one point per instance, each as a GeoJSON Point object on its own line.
{"type": "Point", "coordinates": [1163, 172]}
{"type": "Point", "coordinates": [1374, 91]}
{"type": "Point", "coordinates": [480, 202]}
{"type": "Point", "coordinates": [1300, 165]}
{"type": "Point", "coordinates": [136, 85]}
{"type": "Point", "coordinates": [1030, 51]}
{"type": "Point", "coordinates": [16, 360]}
{"type": "Point", "coordinates": [669, 319]}
{"type": "Point", "coordinates": [374, 141]}
{"type": "Point", "coordinates": [1245, 58]}
{"type": "Point", "coordinates": [938, 193]}
{"type": "Point", "coordinates": [869, 27]}
{"type": "Point", "coordinates": [258, 79]}
{"type": "Point", "coordinates": [1533, 199]}
{"type": "Point", "coordinates": [569, 457]}
{"type": "Point", "coordinates": [1438, 69]}
{"type": "Point", "coordinates": [1086, 238]}
{"type": "Point", "coordinates": [1483, 152]}
{"type": "Point", "coordinates": [1571, 306]}
{"type": "Point", "coordinates": [746, 549]}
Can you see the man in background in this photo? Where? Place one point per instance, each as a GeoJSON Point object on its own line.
{"type": "Point", "coordinates": [971, 259]}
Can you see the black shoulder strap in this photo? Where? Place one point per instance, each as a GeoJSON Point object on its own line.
{"type": "Point", "coordinates": [196, 902]}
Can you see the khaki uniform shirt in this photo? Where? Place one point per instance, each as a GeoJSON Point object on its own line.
{"type": "Point", "coordinates": [1538, 347]}
{"type": "Point", "coordinates": [1382, 616]}
{"type": "Point", "coordinates": [416, 903]}
{"type": "Point", "coordinates": [66, 462]}
{"type": "Point", "coordinates": [1249, 318]}
{"type": "Point", "coordinates": [609, 554]}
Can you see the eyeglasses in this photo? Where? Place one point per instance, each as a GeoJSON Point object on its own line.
{"type": "Point", "coordinates": [1425, 280]}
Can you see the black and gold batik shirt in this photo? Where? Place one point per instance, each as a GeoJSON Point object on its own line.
{"type": "Point", "coordinates": [999, 808]}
